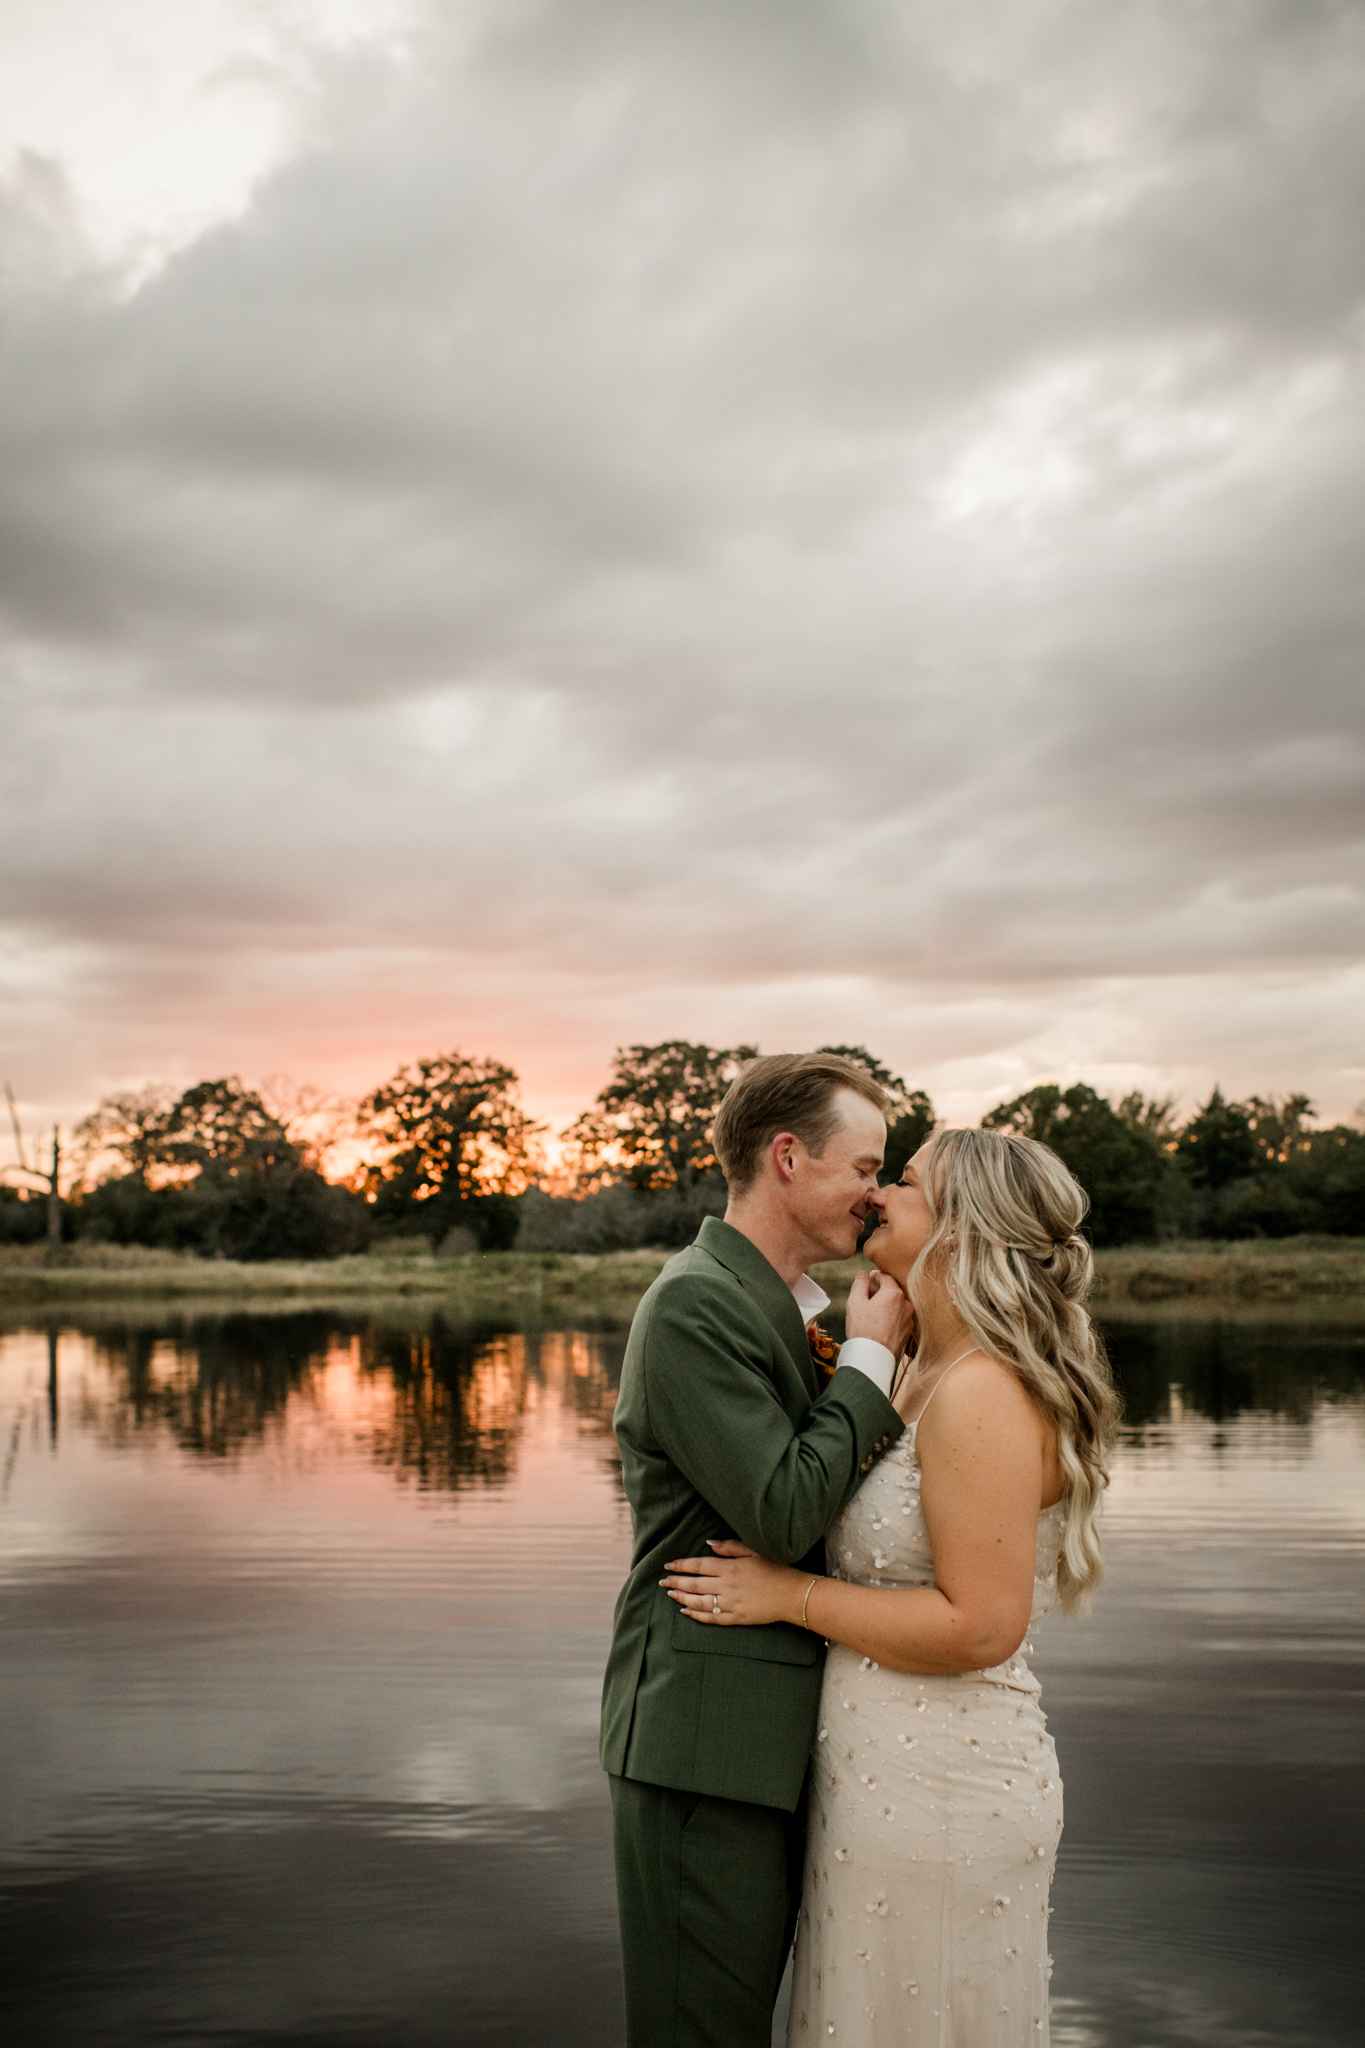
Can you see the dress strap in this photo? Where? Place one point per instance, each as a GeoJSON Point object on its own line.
{"type": "Point", "coordinates": [941, 1378]}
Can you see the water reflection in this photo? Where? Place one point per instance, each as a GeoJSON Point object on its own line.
{"type": "Point", "coordinates": [448, 1399]}
{"type": "Point", "coordinates": [219, 1383]}
{"type": "Point", "coordinates": [214, 1389]}
{"type": "Point", "coordinates": [1222, 1369]}
{"type": "Point", "coordinates": [457, 1391]}
{"type": "Point", "coordinates": [460, 1394]}
{"type": "Point", "coordinates": [305, 1615]}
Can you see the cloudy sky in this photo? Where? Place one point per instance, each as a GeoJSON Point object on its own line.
{"type": "Point", "coordinates": [536, 524]}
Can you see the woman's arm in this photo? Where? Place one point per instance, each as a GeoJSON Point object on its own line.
{"type": "Point", "coordinates": [981, 1450]}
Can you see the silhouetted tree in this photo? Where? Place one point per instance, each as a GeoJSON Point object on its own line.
{"type": "Point", "coordinates": [223, 1124]}
{"type": "Point", "coordinates": [458, 1148]}
{"type": "Point", "coordinates": [165, 1137]}
{"type": "Point", "coordinates": [651, 1125]}
{"type": "Point", "coordinates": [49, 1178]}
{"type": "Point", "coordinates": [1262, 1172]}
{"type": "Point", "coordinates": [231, 1171]}
{"type": "Point", "coordinates": [1217, 1145]}
{"type": "Point", "coordinates": [1326, 1172]}
{"type": "Point", "coordinates": [213, 1171]}
{"type": "Point", "coordinates": [131, 1126]}
{"type": "Point", "coordinates": [23, 1217]}
{"type": "Point", "coordinates": [1279, 1127]}
{"type": "Point", "coordinates": [1153, 1115]}
{"type": "Point", "coordinates": [316, 1121]}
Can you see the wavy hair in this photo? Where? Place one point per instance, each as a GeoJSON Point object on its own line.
{"type": "Point", "coordinates": [1006, 1240]}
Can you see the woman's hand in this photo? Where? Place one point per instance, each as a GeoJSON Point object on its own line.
{"type": "Point", "coordinates": [877, 1308]}
{"type": "Point", "coordinates": [734, 1588]}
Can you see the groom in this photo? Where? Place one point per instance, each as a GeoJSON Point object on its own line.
{"type": "Point", "coordinates": [724, 1431]}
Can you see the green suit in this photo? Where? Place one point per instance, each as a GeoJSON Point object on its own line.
{"type": "Point", "coordinates": [706, 1732]}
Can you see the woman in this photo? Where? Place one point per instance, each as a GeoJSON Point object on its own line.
{"type": "Point", "coordinates": [936, 1806]}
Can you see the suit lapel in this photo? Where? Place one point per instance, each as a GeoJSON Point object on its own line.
{"type": "Point", "coordinates": [767, 1287]}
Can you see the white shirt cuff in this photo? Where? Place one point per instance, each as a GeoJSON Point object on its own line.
{"type": "Point", "coordinates": [865, 1355]}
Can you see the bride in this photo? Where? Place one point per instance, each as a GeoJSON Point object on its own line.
{"type": "Point", "coordinates": [935, 1803]}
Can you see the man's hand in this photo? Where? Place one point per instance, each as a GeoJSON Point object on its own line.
{"type": "Point", "coordinates": [877, 1308]}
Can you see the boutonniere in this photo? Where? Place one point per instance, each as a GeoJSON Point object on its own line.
{"type": "Point", "coordinates": [823, 1350]}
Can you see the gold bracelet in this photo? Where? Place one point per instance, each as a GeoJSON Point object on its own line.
{"type": "Point", "coordinates": [809, 1589]}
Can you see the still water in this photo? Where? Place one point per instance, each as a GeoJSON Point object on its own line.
{"type": "Point", "coordinates": [301, 1625]}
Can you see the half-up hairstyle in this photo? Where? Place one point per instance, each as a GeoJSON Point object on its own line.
{"type": "Point", "coordinates": [1006, 1238]}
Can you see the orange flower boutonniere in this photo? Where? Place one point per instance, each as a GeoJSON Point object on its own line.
{"type": "Point", "coordinates": [823, 1350]}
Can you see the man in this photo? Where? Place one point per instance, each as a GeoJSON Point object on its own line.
{"type": "Point", "coordinates": [725, 1432]}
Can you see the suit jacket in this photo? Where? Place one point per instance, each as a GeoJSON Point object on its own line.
{"type": "Point", "coordinates": [724, 1432]}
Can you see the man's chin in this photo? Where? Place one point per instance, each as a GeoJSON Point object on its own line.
{"type": "Point", "coordinates": [847, 1247]}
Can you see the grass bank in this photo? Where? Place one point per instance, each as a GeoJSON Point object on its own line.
{"type": "Point", "coordinates": [1137, 1277]}
{"type": "Point", "coordinates": [1257, 1270]}
{"type": "Point", "coordinates": [557, 1281]}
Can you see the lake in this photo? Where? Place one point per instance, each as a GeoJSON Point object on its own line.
{"type": "Point", "coordinates": [303, 1618]}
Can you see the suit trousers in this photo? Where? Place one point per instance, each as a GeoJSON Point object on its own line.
{"type": "Point", "coordinates": [708, 1892]}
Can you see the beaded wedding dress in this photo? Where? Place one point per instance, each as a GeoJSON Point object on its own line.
{"type": "Point", "coordinates": [935, 1814]}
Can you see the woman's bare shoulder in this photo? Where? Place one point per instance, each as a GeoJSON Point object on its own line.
{"type": "Point", "coordinates": [982, 1387]}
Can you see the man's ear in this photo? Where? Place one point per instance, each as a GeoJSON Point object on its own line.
{"type": "Point", "coordinates": [784, 1150]}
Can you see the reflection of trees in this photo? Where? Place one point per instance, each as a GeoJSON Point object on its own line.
{"type": "Point", "coordinates": [586, 1367]}
{"type": "Point", "coordinates": [450, 1399]}
{"type": "Point", "coordinates": [460, 1394]}
{"type": "Point", "coordinates": [1224, 1368]}
{"type": "Point", "coordinates": [447, 1402]}
{"type": "Point", "coordinates": [214, 1383]}
{"type": "Point", "coordinates": [463, 1393]}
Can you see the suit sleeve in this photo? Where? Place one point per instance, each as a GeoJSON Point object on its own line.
{"type": "Point", "coordinates": [715, 1412]}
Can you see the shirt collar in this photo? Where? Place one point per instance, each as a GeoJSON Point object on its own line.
{"type": "Point", "coordinates": [810, 1298]}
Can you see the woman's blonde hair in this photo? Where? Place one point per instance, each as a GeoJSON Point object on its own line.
{"type": "Point", "coordinates": [1006, 1239]}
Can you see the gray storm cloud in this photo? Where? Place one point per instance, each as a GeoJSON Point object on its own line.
{"type": "Point", "coordinates": [759, 521]}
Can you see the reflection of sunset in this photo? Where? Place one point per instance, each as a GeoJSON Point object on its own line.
{"type": "Point", "coordinates": [451, 1418]}
{"type": "Point", "coordinates": [447, 1405]}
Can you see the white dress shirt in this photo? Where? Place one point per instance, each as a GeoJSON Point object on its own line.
{"type": "Point", "coordinates": [863, 1354]}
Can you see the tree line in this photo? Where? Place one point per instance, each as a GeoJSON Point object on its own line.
{"type": "Point", "coordinates": [443, 1151]}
